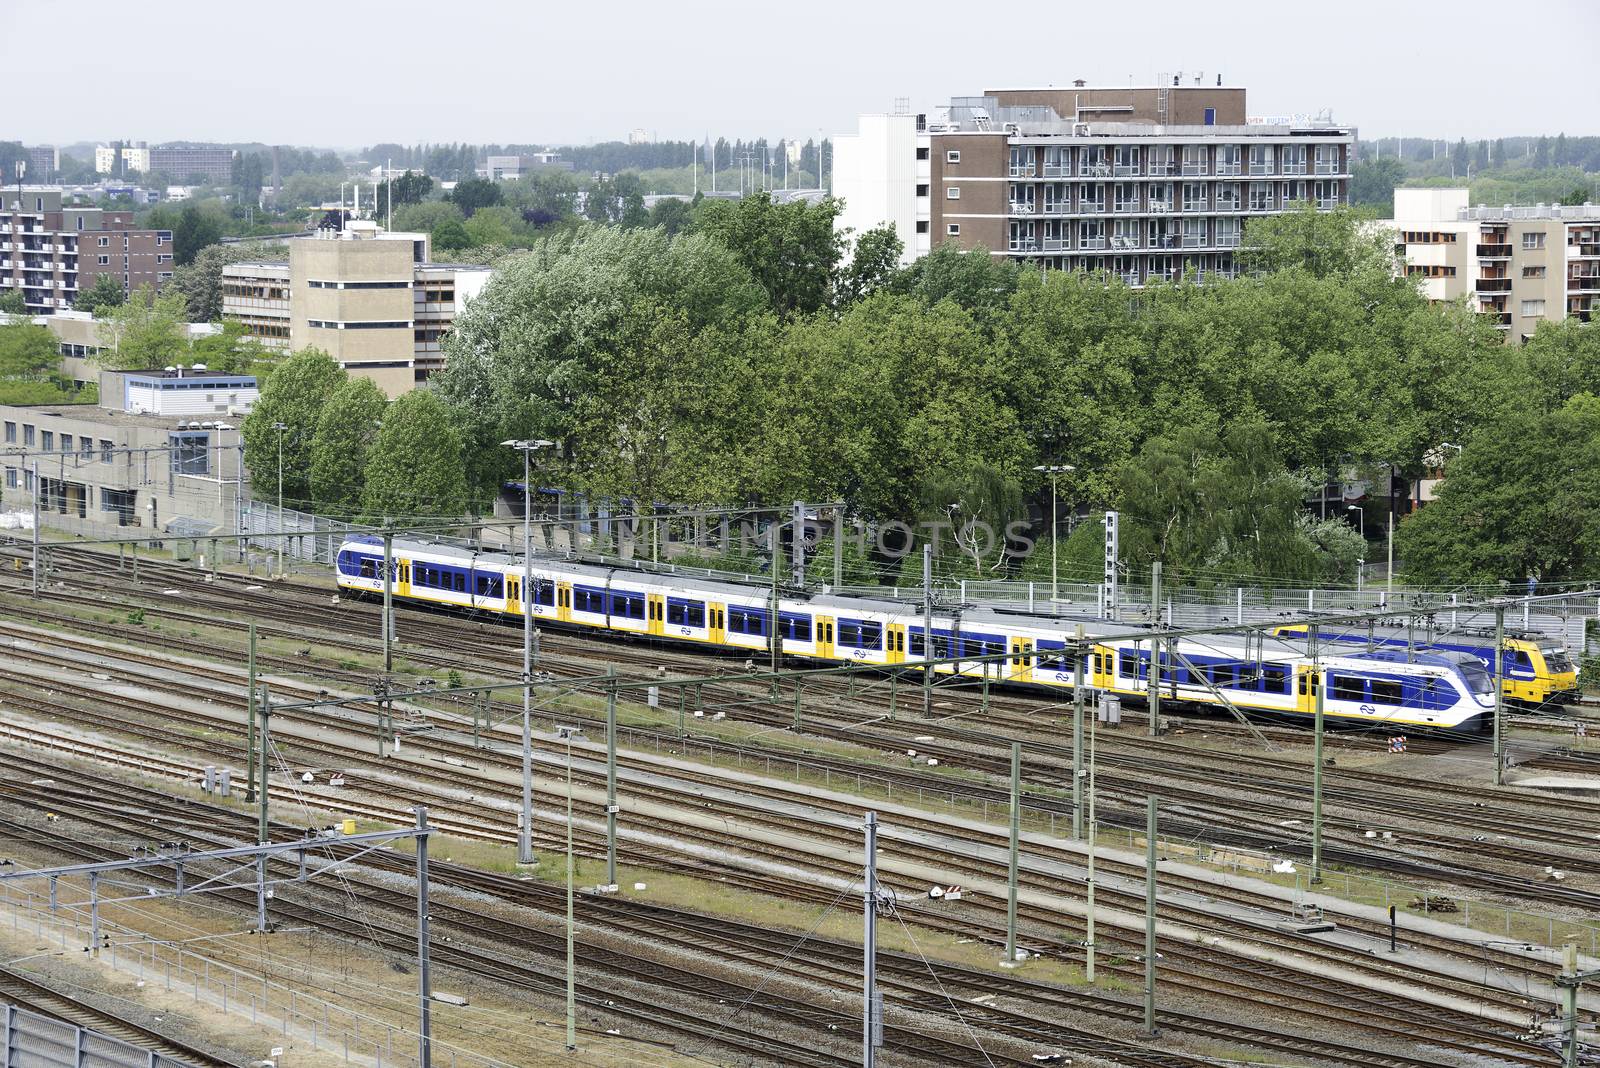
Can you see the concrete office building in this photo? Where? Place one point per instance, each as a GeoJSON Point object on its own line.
{"type": "Point", "coordinates": [1144, 183]}
{"type": "Point", "coordinates": [1518, 265]}
{"type": "Point", "coordinates": [161, 453]}
{"type": "Point", "coordinates": [44, 163]}
{"type": "Point", "coordinates": [368, 297]}
{"type": "Point", "coordinates": [51, 251]}
{"type": "Point", "coordinates": [499, 168]}
{"type": "Point", "coordinates": [211, 163]}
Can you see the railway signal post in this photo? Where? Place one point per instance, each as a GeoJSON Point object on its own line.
{"type": "Point", "coordinates": [1155, 650]}
{"type": "Point", "coordinates": [927, 630]}
{"type": "Point", "coordinates": [1011, 871]}
{"type": "Point", "coordinates": [611, 776]}
{"type": "Point", "coordinates": [1499, 694]}
{"type": "Point", "coordinates": [871, 1006]}
{"type": "Point", "coordinates": [250, 723]}
{"type": "Point", "coordinates": [1080, 669]}
{"type": "Point", "coordinates": [1316, 755]}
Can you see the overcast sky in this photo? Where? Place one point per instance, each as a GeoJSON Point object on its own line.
{"type": "Point", "coordinates": [348, 73]}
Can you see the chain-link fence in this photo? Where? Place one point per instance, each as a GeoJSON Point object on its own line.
{"type": "Point", "coordinates": [28, 1038]}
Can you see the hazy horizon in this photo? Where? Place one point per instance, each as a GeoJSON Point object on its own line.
{"type": "Point", "coordinates": [516, 74]}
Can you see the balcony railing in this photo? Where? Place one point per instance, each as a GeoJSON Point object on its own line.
{"type": "Point", "coordinates": [1494, 252]}
{"type": "Point", "coordinates": [1125, 170]}
{"type": "Point", "coordinates": [1159, 207]}
{"type": "Point", "coordinates": [1261, 204]}
{"type": "Point", "coordinates": [1262, 168]}
{"type": "Point", "coordinates": [1058, 170]}
{"type": "Point", "coordinates": [1585, 249]}
{"type": "Point", "coordinates": [1227, 240]}
{"type": "Point", "coordinates": [1163, 241]}
{"type": "Point", "coordinates": [1056, 207]}
{"type": "Point", "coordinates": [1193, 169]}
{"type": "Point", "coordinates": [1057, 244]}
{"type": "Point", "coordinates": [1095, 170]}
{"type": "Point", "coordinates": [1022, 207]}
{"type": "Point", "coordinates": [1161, 168]}
{"type": "Point", "coordinates": [1092, 242]}
{"type": "Point", "coordinates": [1195, 205]}
{"type": "Point", "coordinates": [1224, 204]}
{"type": "Point", "coordinates": [1494, 285]}
{"type": "Point", "coordinates": [1022, 172]}
{"type": "Point", "coordinates": [1580, 283]}
{"type": "Point", "coordinates": [1325, 203]}
{"type": "Point", "coordinates": [1126, 207]}
{"type": "Point", "coordinates": [1194, 240]}
{"type": "Point", "coordinates": [1327, 166]}
{"type": "Point", "coordinates": [1092, 207]}
{"type": "Point", "coordinates": [1124, 242]}
{"type": "Point", "coordinates": [1226, 169]}
{"type": "Point", "coordinates": [1024, 244]}
{"type": "Point", "coordinates": [1500, 318]}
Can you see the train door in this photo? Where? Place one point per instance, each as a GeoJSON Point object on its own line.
{"type": "Point", "coordinates": [564, 602]}
{"type": "Point", "coordinates": [655, 610]}
{"type": "Point", "coordinates": [514, 593]}
{"type": "Point", "coordinates": [897, 643]}
{"type": "Point", "coordinates": [1309, 681]}
{"type": "Point", "coordinates": [1021, 660]}
{"type": "Point", "coordinates": [716, 623]}
{"type": "Point", "coordinates": [403, 578]}
{"type": "Point", "coordinates": [824, 625]}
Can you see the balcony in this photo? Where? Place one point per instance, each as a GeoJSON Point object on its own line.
{"type": "Point", "coordinates": [1224, 204]}
{"type": "Point", "coordinates": [1583, 283]}
{"type": "Point", "coordinates": [1125, 170]}
{"type": "Point", "coordinates": [1024, 245]}
{"type": "Point", "coordinates": [1192, 170]}
{"type": "Point", "coordinates": [1022, 172]}
{"type": "Point", "coordinates": [1500, 318]}
{"type": "Point", "coordinates": [1494, 252]}
{"type": "Point", "coordinates": [1124, 242]}
{"type": "Point", "coordinates": [1057, 244]}
{"type": "Point", "coordinates": [1227, 240]}
{"type": "Point", "coordinates": [1092, 207]}
{"type": "Point", "coordinates": [1056, 207]}
{"type": "Point", "coordinates": [1095, 170]}
{"type": "Point", "coordinates": [1126, 207]}
{"type": "Point", "coordinates": [1583, 250]}
{"type": "Point", "coordinates": [1058, 170]}
{"type": "Point", "coordinates": [1194, 205]}
{"type": "Point", "coordinates": [1298, 167]}
{"type": "Point", "coordinates": [1159, 207]}
{"type": "Point", "coordinates": [1194, 240]}
{"type": "Point", "coordinates": [1161, 169]}
{"type": "Point", "coordinates": [1160, 241]}
{"type": "Point", "coordinates": [1325, 203]}
{"type": "Point", "coordinates": [1092, 243]}
{"type": "Point", "coordinates": [1262, 204]}
{"type": "Point", "coordinates": [1261, 169]}
{"type": "Point", "coordinates": [1021, 207]}
{"type": "Point", "coordinates": [1494, 285]}
{"type": "Point", "coordinates": [1327, 166]}
{"type": "Point", "coordinates": [1226, 169]}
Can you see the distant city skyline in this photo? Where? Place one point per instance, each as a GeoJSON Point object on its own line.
{"type": "Point", "coordinates": [310, 74]}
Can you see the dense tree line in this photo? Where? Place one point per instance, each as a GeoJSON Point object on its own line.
{"type": "Point", "coordinates": [752, 357]}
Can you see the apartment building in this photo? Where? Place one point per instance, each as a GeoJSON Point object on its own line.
{"type": "Point", "coordinates": [370, 298]}
{"type": "Point", "coordinates": [51, 251]}
{"type": "Point", "coordinates": [1141, 182]}
{"type": "Point", "coordinates": [1517, 265]}
{"type": "Point", "coordinates": [211, 163]}
{"type": "Point", "coordinates": [44, 163]}
{"type": "Point", "coordinates": [160, 453]}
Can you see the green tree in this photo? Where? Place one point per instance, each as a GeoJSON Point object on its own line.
{"type": "Point", "coordinates": [144, 332]}
{"type": "Point", "coordinates": [1323, 242]}
{"type": "Point", "coordinates": [106, 293]}
{"type": "Point", "coordinates": [495, 226]}
{"type": "Point", "coordinates": [1521, 499]}
{"type": "Point", "coordinates": [977, 283]}
{"type": "Point", "coordinates": [1480, 156]}
{"type": "Point", "coordinates": [232, 349]}
{"type": "Point", "coordinates": [1372, 183]}
{"type": "Point", "coordinates": [470, 194]}
{"type": "Point", "coordinates": [415, 466]}
{"type": "Point", "coordinates": [346, 431]}
{"type": "Point", "coordinates": [792, 250]}
{"type": "Point", "coordinates": [195, 230]}
{"type": "Point", "coordinates": [1562, 360]}
{"type": "Point", "coordinates": [876, 258]}
{"type": "Point", "coordinates": [294, 394]}
{"type": "Point", "coordinates": [450, 235]}
{"type": "Point", "coordinates": [12, 302]}
{"type": "Point", "coordinates": [672, 215]}
{"type": "Point", "coordinates": [427, 216]}
{"type": "Point", "coordinates": [1458, 159]}
{"type": "Point", "coordinates": [27, 352]}
{"type": "Point", "coordinates": [1541, 154]}
{"type": "Point", "coordinates": [409, 188]}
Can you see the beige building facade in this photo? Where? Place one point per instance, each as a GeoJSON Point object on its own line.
{"type": "Point", "coordinates": [368, 297]}
{"type": "Point", "coordinates": [1519, 266]}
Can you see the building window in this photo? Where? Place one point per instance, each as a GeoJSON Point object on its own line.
{"type": "Point", "coordinates": [953, 229]}
{"type": "Point", "coordinates": [11, 432]}
{"type": "Point", "coordinates": [105, 450]}
{"type": "Point", "coordinates": [953, 156]}
{"type": "Point", "coordinates": [80, 222]}
{"type": "Point", "coordinates": [103, 261]}
{"type": "Point", "coordinates": [1530, 309]}
{"type": "Point", "coordinates": [1531, 241]}
{"type": "Point", "coordinates": [922, 190]}
{"type": "Point", "coordinates": [190, 454]}
{"type": "Point", "coordinates": [12, 481]}
{"type": "Point", "coordinates": [1527, 272]}
{"type": "Point", "coordinates": [27, 434]}
{"type": "Point", "coordinates": [922, 226]}
{"type": "Point", "coordinates": [103, 242]}
{"type": "Point", "coordinates": [49, 441]}
{"type": "Point", "coordinates": [1229, 159]}
{"type": "Point", "coordinates": [922, 153]}
{"type": "Point", "coordinates": [952, 192]}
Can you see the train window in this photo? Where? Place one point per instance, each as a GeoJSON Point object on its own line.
{"type": "Point", "coordinates": [627, 605]}
{"type": "Point", "coordinates": [794, 626]}
{"type": "Point", "coordinates": [1387, 692]}
{"type": "Point", "coordinates": [585, 599]}
{"type": "Point", "coordinates": [1349, 688]}
{"type": "Point", "coordinates": [368, 567]}
{"type": "Point", "coordinates": [1521, 663]}
{"type": "Point", "coordinates": [460, 579]}
{"type": "Point", "coordinates": [1053, 656]}
{"type": "Point", "coordinates": [1275, 679]}
{"type": "Point", "coordinates": [1125, 664]}
{"type": "Point", "coordinates": [544, 592]}
{"type": "Point", "coordinates": [916, 642]}
{"type": "Point", "coordinates": [682, 613]}
{"type": "Point", "coordinates": [747, 621]}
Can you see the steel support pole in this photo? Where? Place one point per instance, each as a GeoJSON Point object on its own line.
{"type": "Point", "coordinates": [525, 830]}
{"type": "Point", "coordinates": [838, 547]}
{"type": "Point", "coordinates": [263, 814]}
{"type": "Point", "coordinates": [1011, 870]}
{"type": "Point", "coordinates": [1088, 929]}
{"type": "Point", "coordinates": [1499, 695]}
{"type": "Point", "coordinates": [1569, 1008]}
{"type": "Point", "coordinates": [1150, 916]}
{"type": "Point", "coordinates": [1080, 671]}
{"type": "Point", "coordinates": [424, 963]}
{"type": "Point", "coordinates": [1316, 754]}
{"type": "Point", "coordinates": [94, 914]}
{"type": "Point", "coordinates": [388, 603]}
{"type": "Point", "coordinates": [572, 967]}
{"type": "Point", "coordinates": [611, 776]}
{"type": "Point", "coordinates": [774, 642]}
{"type": "Point", "coordinates": [250, 724]}
{"type": "Point", "coordinates": [927, 630]}
{"type": "Point", "coordinates": [1155, 650]}
{"type": "Point", "coordinates": [871, 1013]}
{"type": "Point", "coordinates": [38, 489]}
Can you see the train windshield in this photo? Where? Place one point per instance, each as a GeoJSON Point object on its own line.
{"type": "Point", "coordinates": [1476, 676]}
{"type": "Point", "coordinates": [1556, 660]}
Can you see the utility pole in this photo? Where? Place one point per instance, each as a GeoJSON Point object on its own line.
{"type": "Point", "coordinates": [38, 488]}
{"type": "Point", "coordinates": [775, 642]}
{"type": "Point", "coordinates": [838, 547]}
{"type": "Point", "coordinates": [871, 1006]}
{"type": "Point", "coordinates": [611, 775]}
{"type": "Point", "coordinates": [1016, 834]}
{"type": "Point", "coordinates": [1389, 588]}
{"type": "Point", "coordinates": [1150, 916]}
{"type": "Point", "coordinates": [1088, 930]}
{"type": "Point", "coordinates": [388, 604]}
{"type": "Point", "coordinates": [1081, 670]}
{"type": "Point", "coordinates": [1316, 755]}
{"type": "Point", "coordinates": [424, 963]}
{"type": "Point", "coordinates": [262, 813]}
{"type": "Point", "coordinates": [927, 630]}
{"type": "Point", "coordinates": [1499, 695]}
{"type": "Point", "coordinates": [797, 555]}
{"type": "Point", "coordinates": [525, 831]}
{"type": "Point", "coordinates": [1155, 649]}
{"type": "Point", "coordinates": [250, 723]}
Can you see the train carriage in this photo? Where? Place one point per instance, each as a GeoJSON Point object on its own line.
{"type": "Point", "coordinates": [1445, 690]}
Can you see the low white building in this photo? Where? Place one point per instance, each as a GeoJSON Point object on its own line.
{"type": "Point", "coordinates": [877, 171]}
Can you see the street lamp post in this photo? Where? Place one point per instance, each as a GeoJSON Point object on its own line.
{"type": "Point", "coordinates": [525, 832]}
{"type": "Point", "coordinates": [280, 428]}
{"type": "Point", "coordinates": [1361, 519]}
{"type": "Point", "coordinates": [566, 734]}
{"type": "Point", "coordinates": [1054, 471]}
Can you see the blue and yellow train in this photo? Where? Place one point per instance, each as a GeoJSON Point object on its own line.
{"type": "Point", "coordinates": [1268, 675]}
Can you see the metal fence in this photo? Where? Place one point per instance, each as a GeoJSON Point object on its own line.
{"type": "Point", "coordinates": [314, 538]}
{"type": "Point", "coordinates": [30, 1040]}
